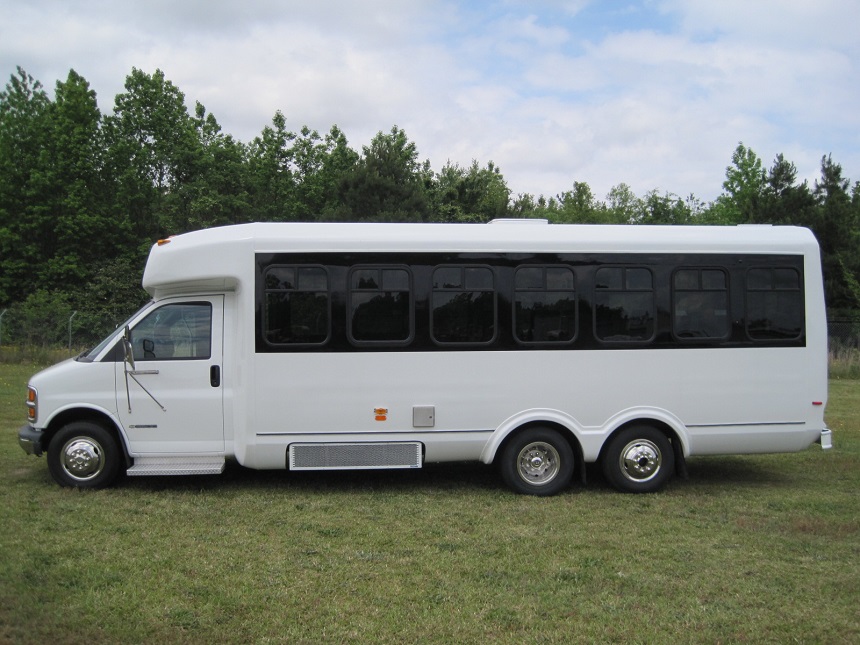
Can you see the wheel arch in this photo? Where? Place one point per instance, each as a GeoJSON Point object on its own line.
{"type": "Point", "coordinates": [669, 425]}
{"type": "Point", "coordinates": [552, 419]}
{"type": "Point", "coordinates": [93, 415]}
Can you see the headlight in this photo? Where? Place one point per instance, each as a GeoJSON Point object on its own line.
{"type": "Point", "coordinates": [32, 400]}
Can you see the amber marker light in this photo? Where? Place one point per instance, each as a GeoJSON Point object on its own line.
{"type": "Point", "coordinates": [31, 404]}
{"type": "Point", "coordinates": [381, 414]}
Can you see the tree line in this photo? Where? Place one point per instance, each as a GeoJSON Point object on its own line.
{"type": "Point", "coordinates": [83, 195]}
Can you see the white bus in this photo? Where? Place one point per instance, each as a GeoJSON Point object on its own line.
{"type": "Point", "coordinates": [539, 348]}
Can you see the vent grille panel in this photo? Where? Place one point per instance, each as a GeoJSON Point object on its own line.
{"type": "Point", "coordinates": [354, 456]}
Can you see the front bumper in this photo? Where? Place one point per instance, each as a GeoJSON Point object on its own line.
{"type": "Point", "coordinates": [30, 440]}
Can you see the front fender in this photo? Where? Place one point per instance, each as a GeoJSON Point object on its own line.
{"type": "Point", "coordinates": [66, 414]}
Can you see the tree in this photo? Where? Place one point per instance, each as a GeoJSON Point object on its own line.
{"type": "Point", "coordinates": [75, 192]}
{"type": "Point", "coordinates": [308, 154]}
{"type": "Point", "coordinates": [524, 206]}
{"type": "Point", "coordinates": [784, 201]}
{"type": "Point", "coordinates": [667, 208]}
{"type": "Point", "coordinates": [320, 165]}
{"type": "Point", "coordinates": [388, 183]}
{"type": "Point", "coordinates": [273, 196]}
{"type": "Point", "coordinates": [24, 132]}
{"type": "Point", "coordinates": [152, 149]}
{"type": "Point", "coordinates": [623, 206]}
{"type": "Point", "coordinates": [41, 317]}
{"type": "Point", "coordinates": [836, 227]}
{"type": "Point", "coordinates": [216, 190]}
{"type": "Point", "coordinates": [574, 206]}
{"type": "Point", "coordinates": [470, 195]}
{"type": "Point", "coordinates": [108, 298]}
{"type": "Point", "coordinates": [82, 194]}
{"type": "Point", "coordinates": [338, 163]}
{"type": "Point", "coordinates": [743, 189]}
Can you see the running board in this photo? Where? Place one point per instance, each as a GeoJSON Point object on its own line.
{"type": "Point", "coordinates": [146, 466]}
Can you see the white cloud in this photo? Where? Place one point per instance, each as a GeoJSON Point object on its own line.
{"type": "Point", "coordinates": [783, 23]}
{"type": "Point", "coordinates": [551, 91]}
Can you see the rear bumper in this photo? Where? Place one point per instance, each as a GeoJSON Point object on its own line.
{"type": "Point", "coordinates": [30, 440]}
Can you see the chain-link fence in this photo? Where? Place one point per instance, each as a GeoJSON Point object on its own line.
{"type": "Point", "coordinates": [844, 333]}
{"type": "Point", "coordinates": [68, 329]}
{"type": "Point", "coordinates": [844, 354]}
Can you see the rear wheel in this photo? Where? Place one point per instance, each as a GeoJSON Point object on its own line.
{"type": "Point", "coordinates": [537, 461]}
{"type": "Point", "coordinates": [83, 455]}
{"type": "Point", "coordinates": [638, 459]}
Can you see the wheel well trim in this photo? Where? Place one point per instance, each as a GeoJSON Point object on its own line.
{"type": "Point", "coordinates": [589, 441]}
{"type": "Point", "coordinates": [573, 430]}
{"type": "Point", "coordinates": [661, 419]}
{"type": "Point", "coordinates": [69, 414]}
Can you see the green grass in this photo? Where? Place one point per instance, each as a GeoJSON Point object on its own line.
{"type": "Point", "coordinates": [844, 362]}
{"type": "Point", "coordinates": [748, 549]}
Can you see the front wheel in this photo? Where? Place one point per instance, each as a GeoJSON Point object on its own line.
{"type": "Point", "coordinates": [638, 459]}
{"type": "Point", "coordinates": [83, 455]}
{"type": "Point", "coordinates": [538, 461]}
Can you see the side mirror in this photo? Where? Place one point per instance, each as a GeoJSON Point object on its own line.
{"type": "Point", "coordinates": [127, 348]}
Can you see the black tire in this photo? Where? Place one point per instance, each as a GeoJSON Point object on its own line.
{"type": "Point", "coordinates": [537, 461]}
{"type": "Point", "coordinates": [638, 459]}
{"type": "Point", "coordinates": [83, 455]}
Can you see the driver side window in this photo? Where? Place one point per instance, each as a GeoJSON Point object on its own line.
{"type": "Point", "coordinates": [174, 332]}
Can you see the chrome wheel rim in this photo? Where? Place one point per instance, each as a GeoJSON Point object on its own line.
{"type": "Point", "coordinates": [82, 458]}
{"type": "Point", "coordinates": [538, 463]}
{"type": "Point", "coordinates": [640, 460]}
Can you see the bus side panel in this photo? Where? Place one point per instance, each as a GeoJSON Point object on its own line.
{"type": "Point", "coordinates": [730, 400]}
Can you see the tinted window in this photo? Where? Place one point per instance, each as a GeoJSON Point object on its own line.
{"type": "Point", "coordinates": [296, 305]}
{"type": "Point", "coordinates": [700, 304]}
{"type": "Point", "coordinates": [624, 306]}
{"type": "Point", "coordinates": [544, 305]}
{"type": "Point", "coordinates": [774, 304]}
{"type": "Point", "coordinates": [380, 305]}
{"type": "Point", "coordinates": [463, 305]}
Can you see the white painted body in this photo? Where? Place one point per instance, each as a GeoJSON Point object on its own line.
{"type": "Point", "coordinates": [715, 400]}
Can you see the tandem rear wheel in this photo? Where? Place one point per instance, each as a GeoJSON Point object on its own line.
{"type": "Point", "coordinates": [537, 461]}
{"type": "Point", "coordinates": [638, 459]}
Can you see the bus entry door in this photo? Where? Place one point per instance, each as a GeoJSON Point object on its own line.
{"type": "Point", "coordinates": [170, 397]}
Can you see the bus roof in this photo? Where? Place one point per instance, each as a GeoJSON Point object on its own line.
{"type": "Point", "coordinates": [216, 258]}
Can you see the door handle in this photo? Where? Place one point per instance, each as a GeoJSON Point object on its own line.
{"type": "Point", "coordinates": [215, 376]}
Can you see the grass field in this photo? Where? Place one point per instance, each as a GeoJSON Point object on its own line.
{"type": "Point", "coordinates": [747, 550]}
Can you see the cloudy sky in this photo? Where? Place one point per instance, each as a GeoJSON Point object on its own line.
{"type": "Point", "coordinates": [653, 93]}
